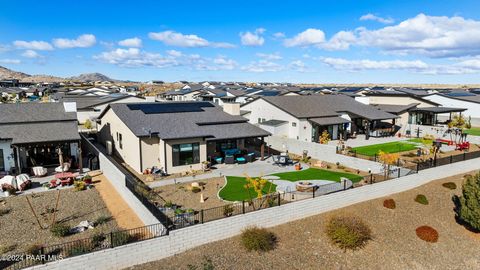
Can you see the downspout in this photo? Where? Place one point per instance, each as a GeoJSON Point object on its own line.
{"type": "Point", "coordinates": [165, 156]}
{"type": "Point", "coordinates": [141, 159]}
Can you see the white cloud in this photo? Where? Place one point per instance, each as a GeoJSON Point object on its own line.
{"type": "Point", "coordinates": [10, 61]}
{"type": "Point", "coordinates": [82, 41]}
{"type": "Point", "coordinates": [253, 39]}
{"type": "Point", "coordinates": [263, 66]}
{"type": "Point", "coordinates": [306, 38]}
{"type": "Point", "coordinates": [174, 53]}
{"type": "Point", "coordinates": [270, 56]}
{"type": "Point", "coordinates": [416, 66]}
{"type": "Point", "coordinates": [432, 36]}
{"type": "Point", "coordinates": [371, 17]}
{"type": "Point", "coordinates": [279, 35]}
{"type": "Point", "coordinates": [31, 54]}
{"type": "Point", "coordinates": [172, 38]}
{"type": "Point", "coordinates": [218, 63]}
{"type": "Point", "coordinates": [134, 57]}
{"type": "Point", "coordinates": [298, 65]}
{"type": "Point", "coordinates": [340, 41]}
{"type": "Point", "coordinates": [33, 45]}
{"type": "Point", "coordinates": [134, 42]}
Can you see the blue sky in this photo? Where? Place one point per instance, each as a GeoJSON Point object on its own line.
{"type": "Point", "coordinates": [295, 41]}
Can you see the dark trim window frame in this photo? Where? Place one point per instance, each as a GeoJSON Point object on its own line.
{"type": "Point", "coordinates": [185, 154]}
{"type": "Point", "coordinates": [120, 142]}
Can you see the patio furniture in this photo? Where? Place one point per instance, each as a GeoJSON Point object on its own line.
{"type": "Point", "coordinates": [66, 178]}
{"type": "Point", "coordinates": [53, 183]}
{"type": "Point", "coordinates": [66, 168]}
{"type": "Point", "coordinates": [218, 160]}
{"type": "Point", "coordinates": [250, 157]}
{"type": "Point", "coordinates": [39, 171]}
{"type": "Point", "coordinates": [229, 160]}
{"type": "Point", "coordinates": [241, 160]}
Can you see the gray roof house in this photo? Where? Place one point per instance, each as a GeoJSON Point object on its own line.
{"type": "Point", "coordinates": [176, 136]}
{"type": "Point", "coordinates": [31, 133]}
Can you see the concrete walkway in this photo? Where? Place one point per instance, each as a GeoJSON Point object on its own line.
{"type": "Point", "coordinates": [257, 168]}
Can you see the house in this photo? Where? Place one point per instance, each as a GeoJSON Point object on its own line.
{"type": "Point", "coordinates": [469, 101]}
{"type": "Point", "coordinates": [175, 136]}
{"type": "Point", "coordinates": [31, 134]}
{"type": "Point", "coordinates": [306, 117]}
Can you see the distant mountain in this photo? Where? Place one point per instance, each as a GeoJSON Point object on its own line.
{"type": "Point", "coordinates": [91, 77]}
{"type": "Point", "coordinates": [6, 73]}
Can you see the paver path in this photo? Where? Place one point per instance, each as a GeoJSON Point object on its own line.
{"type": "Point", "coordinates": [121, 212]}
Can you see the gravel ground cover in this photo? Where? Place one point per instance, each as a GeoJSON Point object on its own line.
{"type": "Point", "coordinates": [303, 244]}
{"type": "Point", "coordinates": [20, 228]}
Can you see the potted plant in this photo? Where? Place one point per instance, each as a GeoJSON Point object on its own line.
{"type": "Point", "coordinates": [228, 210]}
{"type": "Point", "coordinates": [87, 179]}
{"type": "Point", "coordinates": [46, 186]}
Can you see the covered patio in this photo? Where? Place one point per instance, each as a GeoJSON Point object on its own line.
{"type": "Point", "coordinates": [429, 116]}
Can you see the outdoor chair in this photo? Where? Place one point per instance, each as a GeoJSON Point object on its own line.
{"type": "Point", "coordinates": [218, 160]}
{"type": "Point", "coordinates": [66, 168]}
{"type": "Point", "coordinates": [229, 160]}
{"type": "Point", "coordinates": [39, 171]}
{"type": "Point", "coordinates": [241, 160]}
{"type": "Point", "coordinates": [250, 157]}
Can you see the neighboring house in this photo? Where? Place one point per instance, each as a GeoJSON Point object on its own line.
{"type": "Point", "coordinates": [31, 134]}
{"type": "Point", "coordinates": [90, 107]}
{"type": "Point", "coordinates": [175, 136]}
{"type": "Point", "coordinates": [471, 102]}
{"type": "Point", "coordinates": [393, 97]}
{"type": "Point", "coordinates": [306, 117]}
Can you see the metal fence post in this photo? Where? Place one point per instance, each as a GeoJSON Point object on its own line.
{"type": "Point", "coordinates": [451, 159]}
{"type": "Point", "coordinates": [42, 252]}
{"type": "Point", "coordinates": [243, 207]}
{"type": "Point", "coordinates": [111, 240]}
{"type": "Point", "coordinates": [418, 165]}
{"type": "Point", "coordinates": [201, 216]}
{"type": "Point", "coordinates": [375, 157]}
{"type": "Point", "coordinates": [464, 156]}
{"type": "Point", "coordinates": [279, 200]}
{"type": "Point", "coordinates": [399, 170]}
{"type": "Point", "coordinates": [313, 192]}
{"type": "Point", "coordinates": [371, 178]}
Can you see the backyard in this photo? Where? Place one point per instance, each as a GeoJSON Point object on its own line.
{"type": "Point", "coordinates": [392, 147]}
{"type": "Point", "coordinates": [303, 244]}
{"type": "Point", "coordinates": [473, 131]}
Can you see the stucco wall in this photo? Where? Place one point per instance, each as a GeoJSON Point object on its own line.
{"type": "Point", "coordinates": [9, 161]}
{"type": "Point", "coordinates": [473, 109]}
{"type": "Point", "coordinates": [150, 152]}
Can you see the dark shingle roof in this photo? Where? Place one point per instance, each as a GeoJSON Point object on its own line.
{"type": "Point", "coordinates": [326, 106]}
{"type": "Point", "coordinates": [34, 112]}
{"type": "Point", "coordinates": [438, 109]}
{"type": "Point", "coordinates": [176, 120]}
{"type": "Point", "coordinates": [273, 122]}
{"type": "Point", "coordinates": [326, 121]}
{"type": "Point", "coordinates": [396, 109]}
{"type": "Point", "coordinates": [85, 102]}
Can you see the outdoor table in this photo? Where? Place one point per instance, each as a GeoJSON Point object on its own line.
{"type": "Point", "coordinates": [65, 178]}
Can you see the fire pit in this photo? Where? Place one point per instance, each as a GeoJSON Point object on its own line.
{"type": "Point", "coordinates": [305, 187]}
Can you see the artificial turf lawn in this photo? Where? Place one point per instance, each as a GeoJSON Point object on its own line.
{"type": "Point", "coordinates": [234, 190]}
{"type": "Point", "coordinates": [317, 174]}
{"type": "Point", "coordinates": [473, 131]}
{"type": "Point", "coordinates": [391, 147]}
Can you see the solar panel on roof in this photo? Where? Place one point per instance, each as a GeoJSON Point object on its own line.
{"type": "Point", "coordinates": [156, 108]}
{"type": "Point", "coordinates": [460, 94]}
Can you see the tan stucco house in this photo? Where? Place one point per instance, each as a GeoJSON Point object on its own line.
{"type": "Point", "coordinates": [175, 136]}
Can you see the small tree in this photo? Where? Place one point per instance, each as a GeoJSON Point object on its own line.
{"type": "Point", "coordinates": [458, 121]}
{"type": "Point", "coordinates": [467, 207]}
{"type": "Point", "coordinates": [387, 159]}
{"type": "Point", "coordinates": [87, 124]}
{"type": "Point", "coordinates": [325, 137]}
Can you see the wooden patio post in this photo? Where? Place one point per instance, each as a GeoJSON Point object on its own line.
{"type": "Point", "coordinates": [262, 150]}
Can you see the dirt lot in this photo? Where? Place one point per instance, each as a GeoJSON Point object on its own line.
{"type": "Point", "coordinates": [303, 245]}
{"type": "Point", "coordinates": [180, 194]}
{"type": "Point", "coordinates": [20, 228]}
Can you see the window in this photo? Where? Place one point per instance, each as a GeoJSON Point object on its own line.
{"type": "Point", "coordinates": [120, 144]}
{"type": "Point", "coordinates": [259, 120]}
{"type": "Point", "coordinates": [185, 154]}
{"type": "Point", "coordinates": [2, 162]}
{"type": "Point", "coordinates": [294, 124]}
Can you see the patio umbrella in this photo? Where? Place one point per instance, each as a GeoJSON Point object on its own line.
{"type": "Point", "coordinates": [60, 157]}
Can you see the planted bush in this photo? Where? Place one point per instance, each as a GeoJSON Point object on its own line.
{"type": "Point", "coordinates": [348, 232]}
{"type": "Point", "coordinates": [121, 238]}
{"type": "Point", "coordinates": [450, 185]}
{"type": "Point", "coordinates": [102, 220]}
{"type": "Point", "coordinates": [427, 233]}
{"type": "Point", "coordinates": [60, 229]}
{"type": "Point", "coordinates": [78, 248]}
{"type": "Point", "coordinates": [258, 239]}
{"type": "Point", "coordinates": [389, 203]}
{"type": "Point", "coordinates": [196, 189]}
{"type": "Point", "coordinates": [97, 239]}
{"type": "Point", "coordinates": [467, 207]}
{"type": "Point", "coordinates": [34, 249]}
{"type": "Point", "coordinates": [422, 199]}
{"type": "Point", "coordinates": [79, 185]}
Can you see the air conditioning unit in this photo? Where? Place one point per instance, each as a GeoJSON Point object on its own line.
{"type": "Point", "coordinates": [109, 147]}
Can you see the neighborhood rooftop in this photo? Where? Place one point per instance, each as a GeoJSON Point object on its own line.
{"type": "Point", "coordinates": [175, 120]}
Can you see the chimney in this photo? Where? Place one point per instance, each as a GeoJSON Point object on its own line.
{"type": "Point", "coordinates": [70, 106]}
{"type": "Point", "coordinates": [232, 108]}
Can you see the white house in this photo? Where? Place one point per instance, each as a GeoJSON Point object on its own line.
{"type": "Point", "coordinates": [470, 102]}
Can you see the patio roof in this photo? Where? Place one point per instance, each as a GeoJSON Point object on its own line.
{"type": "Point", "coordinates": [40, 132]}
{"type": "Point", "coordinates": [326, 121]}
{"type": "Point", "coordinates": [438, 110]}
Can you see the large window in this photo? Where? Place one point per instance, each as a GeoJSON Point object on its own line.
{"type": "Point", "coordinates": [186, 154]}
{"type": "Point", "coordinates": [2, 161]}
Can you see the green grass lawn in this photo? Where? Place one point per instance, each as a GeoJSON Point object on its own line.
{"type": "Point", "coordinates": [317, 174]}
{"type": "Point", "coordinates": [391, 147]}
{"type": "Point", "coordinates": [234, 190]}
{"type": "Point", "coordinates": [473, 131]}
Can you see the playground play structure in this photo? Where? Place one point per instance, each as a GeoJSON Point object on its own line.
{"type": "Point", "coordinates": [457, 138]}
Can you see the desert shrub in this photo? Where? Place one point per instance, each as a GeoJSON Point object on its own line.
{"type": "Point", "coordinates": [348, 232]}
{"type": "Point", "coordinates": [389, 203]}
{"type": "Point", "coordinates": [450, 185]}
{"type": "Point", "coordinates": [258, 239]}
{"type": "Point", "coordinates": [6, 248]}
{"type": "Point", "coordinates": [467, 207]}
{"type": "Point", "coordinates": [196, 189]}
{"type": "Point", "coordinates": [102, 220]}
{"type": "Point", "coordinates": [207, 264]}
{"type": "Point", "coordinates": [121, 238]}
{"type": "Point", "coordinates": [97, 239]}
{"type": "Point", "coordinates": [4, 211]}
{"type": "Point", "coordinates": [79, 185]}
{"type": "Point", "coordinates": [422, 199]}
{"type": "Point", "coordinates": [179, 211]}
{"type": "Point", "coordinates": [60, 229]}
{"type": "Point", "coordinates": [427, 233]}
{"type": "Point", "coordinates": [168, 204]}
{"type": "Point", "coordinates": [228, 210]}
{"type": "Point", "coordinates": [34, 249]}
